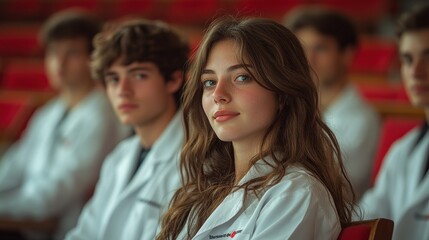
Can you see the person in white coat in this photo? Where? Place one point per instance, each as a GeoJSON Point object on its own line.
{"type": "Point", "coordinates": [330, 40]}
{"type": "Point", "coordinates": [51, 171]}
{"type": "Point", "coordinates": [401, 190]}
{"type": "Point", "coordinates": [258, 162]}
{"type": "Point", "coordinates": [141, 64]}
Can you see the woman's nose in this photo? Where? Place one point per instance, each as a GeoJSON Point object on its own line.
{"type": "Point", "coordinates": [221, 93]}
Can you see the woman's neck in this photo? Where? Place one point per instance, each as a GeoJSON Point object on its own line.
{"type": "Point", "coordinates": [244, 152]}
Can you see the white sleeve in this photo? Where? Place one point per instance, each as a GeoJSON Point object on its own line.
{"type": "Point", "coordinates": [301, 214]}
{"type": "Point", "coordinates": [376, 201]}
{"type": "Point", "coordinates": [92, 215]}
{"type": "Point", "coordinates": [14, 162]}
{"type": "Point", "coordinates": [68, 179]}
{"type": "Point", "coordinates": [359, 149]}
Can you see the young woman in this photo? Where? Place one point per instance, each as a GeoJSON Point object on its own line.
{"type": "Point", "coordinates": [258, 162]}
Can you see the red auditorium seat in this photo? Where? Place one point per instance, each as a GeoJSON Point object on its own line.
{"type": "Point", "coordinates": [25, 74]}
{"type": "Point", "coordinates": [22, 9]}
{"type": "Point", "coordinates": [93, 6]}
{"type": "Point", "coordinates": [383, 92]}
{"type": "Point", "coordinates": [362, 11]}
{"type": "Point", "coordinates": [18, 40]}
{"type": "Point", "coordinates": [392, 129]}
{"type": "Point", "coordinates": [192, 11]}
{"type": "Point", "coordinates": [374, 229]}
{"type": "Point", "coordinates": [15, 113]}
{"type": "Point", "coordinates": [375, 56]}
{"type": "Point", "coordinates": [269, 8]}
{"type": "Point", "coordinates": [142, 8]}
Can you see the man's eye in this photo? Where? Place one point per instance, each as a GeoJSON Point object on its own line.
{"type": "Point", "coordinates": [140, 76]}
{"type": "Point", "coordinates": [111, 80]}
{"type": "Point", "coordinates": [406, 60]}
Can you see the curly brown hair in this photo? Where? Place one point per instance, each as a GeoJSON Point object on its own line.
{"type": "Point", "coordinates": [140, 40]}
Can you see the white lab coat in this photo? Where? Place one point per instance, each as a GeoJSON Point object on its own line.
{"type": "Point", "coordinates": [400, 192]}
{"type": "Point", "coordinates": [121, 209]}
{"type": "Point", "coordinates": [298, 207]}
{"type": "Point", "coordinates": [46, 176]}
{"type": "Point", "coordinates": [357, 127]}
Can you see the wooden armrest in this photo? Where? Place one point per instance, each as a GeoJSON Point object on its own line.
{"type": "Point", "coordinates": [48, 225]}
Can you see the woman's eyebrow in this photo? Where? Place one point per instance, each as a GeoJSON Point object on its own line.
{"type": "Point", "coordinates": [231, 68]}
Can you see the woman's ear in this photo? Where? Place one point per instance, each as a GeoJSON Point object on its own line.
{"type": "Point", "coordinates": [176, 81]}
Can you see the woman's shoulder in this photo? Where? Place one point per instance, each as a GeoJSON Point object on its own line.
{"type": "Point", "coordinates": [298, 181]}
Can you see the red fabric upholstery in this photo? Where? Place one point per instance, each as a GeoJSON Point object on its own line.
{"type": "Point", "coordinates": [17, 40]}
{"type": "Point", "coordinates": [191, 11]}
{"type": "Point", "coordinates": [375, 56]}
{"type": "Point", "coordinates": [268, 8]}
{"type": "Point", "coordinates": [15, 114]}
{"type": "Point", "coordinates": [362, 10]}
{"type": "Point", "coordinates": [143, 8]}
{"type": "Point", "coordinates": [25, 75]}
{"type": "Point", "coordinates": [383, 93]}
{"type": "Point", "coordinates": [357, 232]}
{"type": "Point", "coordinates": [392, 129]}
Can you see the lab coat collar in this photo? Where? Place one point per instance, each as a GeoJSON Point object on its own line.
{"type": "Point", "coordinates": [164, 150]}
{"type": "Point", "coordinates": [94, 99]}
{"type": "Point", "coordinates": [422, 185]}
{"type": "Point", "coordinates": [233, 203]}
{"type": "Point", "coordinates": [348, 97]}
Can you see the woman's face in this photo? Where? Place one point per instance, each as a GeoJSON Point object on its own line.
{"type": "Point", "coordinates": [238, 108]}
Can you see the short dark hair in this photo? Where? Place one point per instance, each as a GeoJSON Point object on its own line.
{"type": "Point", "coordinates": [140, 41]}
{"type": "Point", "coordinates": [327, 22]}
{"type": "Point", "coordinates": [69, 24]}
{"type": "Point", "coordinates": [414, 20]}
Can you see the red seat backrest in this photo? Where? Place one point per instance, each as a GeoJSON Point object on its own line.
{"type": "Point", "coordinates": [393, 128]}
{"type": "Point", "coordinates": [15, 114]}
{"type": "Point", "coordinates": [356, 232]}
{"type": "Point", "coordinates": [26, 75]}
{"type": "Point", "coordinates": [373, 229]}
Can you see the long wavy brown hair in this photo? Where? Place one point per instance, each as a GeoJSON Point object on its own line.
{"type": "Point", "coordinates": [297, 132]}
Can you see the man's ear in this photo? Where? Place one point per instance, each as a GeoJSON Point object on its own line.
{"type": "Point", "coordinates": [175, 83]}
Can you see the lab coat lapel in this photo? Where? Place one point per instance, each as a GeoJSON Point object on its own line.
{"type": "Point", "coordinates": [233, 203]}
{"type": "Point", "coordinates": [144, 173]}
{"type": "Point", "coordinates": [126, 166]}
{"type": "Point", "coordinates": [47, 141]}
{"type": "Point", "coordinates": [422, 192]}
{"type": "Point", "coordinates": [162, 152]}
{"type": "Point", "coordinates": [230, 207]}
{"type": "Point", "coordinates": [420, 184]}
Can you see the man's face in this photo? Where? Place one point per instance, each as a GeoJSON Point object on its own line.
{"type": "Point", "coordinates": [67, 63]}
{"type": "Point", "coordinates": [414, 54]}
{"type": "Point", "coordinates": [324, 56]}
{"type": "Point", "coordinates": [138, 92]}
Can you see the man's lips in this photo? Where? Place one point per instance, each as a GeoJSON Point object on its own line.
{"type": "Point", "coordinates": [127, 106]}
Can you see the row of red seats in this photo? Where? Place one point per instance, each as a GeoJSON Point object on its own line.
{"type": "Point", "coordinates": [189, 11]}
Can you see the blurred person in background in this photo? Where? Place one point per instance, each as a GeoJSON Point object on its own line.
{"type": "Point", "coordinates": [330, 40]}
{"type": "Point", "coordinates": [401, 191]}
{"type": "Point", "coordinates": [141, 64]}
{"type": "Point", "coordinates": [50, 172]}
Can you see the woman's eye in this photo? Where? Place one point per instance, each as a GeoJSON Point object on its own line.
{"type": "Point", "coordinates": [243, 78]}
{"type": "Point", "coordinates": [208, 83]}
